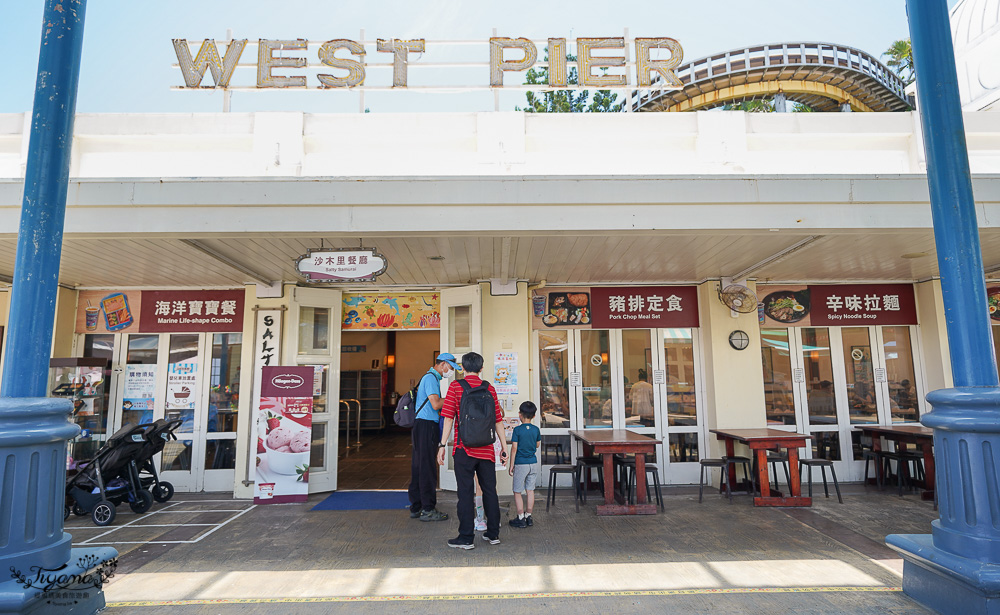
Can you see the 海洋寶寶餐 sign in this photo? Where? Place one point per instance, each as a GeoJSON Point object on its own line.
{"type": "Point", "coordinates": [505, 55]}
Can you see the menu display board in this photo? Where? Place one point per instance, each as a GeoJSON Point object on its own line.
{"type": "Point", "coordinates": [615, 307]}
{"type": "Point", "coordinates": [150, 311]}
{"type": "Point", "coordinates": [837, 305]}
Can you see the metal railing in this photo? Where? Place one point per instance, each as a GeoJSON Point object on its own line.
{"type": "Point", "coordinates": [784, 55]}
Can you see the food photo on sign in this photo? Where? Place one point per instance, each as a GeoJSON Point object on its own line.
{"type": "Point", "coordinates": [561, 307]}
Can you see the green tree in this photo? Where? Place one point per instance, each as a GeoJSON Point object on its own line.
{"type": "Point", "coordinates": [900, 60]}
{"type": "Point", "coordinates": [566, 101]}
{"type": "Point", "coordinates": [763, 105]}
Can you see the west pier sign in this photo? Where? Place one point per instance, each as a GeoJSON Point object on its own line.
{"type": "Point", "coordinates": [605, 63]}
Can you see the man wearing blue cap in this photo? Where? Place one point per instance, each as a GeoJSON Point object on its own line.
{"type": "Point", "coordinates": [426, 432]}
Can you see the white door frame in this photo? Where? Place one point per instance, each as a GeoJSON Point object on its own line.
{"type": "Point", "coordinates": [323, 478]}
{"type": "Point", "coordinates": [451, 298]}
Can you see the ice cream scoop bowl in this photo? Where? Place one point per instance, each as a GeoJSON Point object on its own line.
{"type": "Point", "coordinates": [285, 463]}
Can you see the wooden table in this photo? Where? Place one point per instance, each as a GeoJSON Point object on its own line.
{"type": "Point", "coordinates": [607, 442]}
{"type": "Point", "coordinates": [917, 435]}
{"type": "Point", "coordinates": [760, 441]}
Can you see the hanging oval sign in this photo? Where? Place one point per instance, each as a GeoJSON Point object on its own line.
{"type": "Point", "coordinates": [341, 265]}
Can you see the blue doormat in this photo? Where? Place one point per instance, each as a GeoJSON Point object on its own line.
{"type": "Point", "coordinates": [365, 500]}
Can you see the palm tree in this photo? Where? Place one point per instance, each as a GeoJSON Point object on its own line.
{"type": "Point", "coordinates": [900, 60]}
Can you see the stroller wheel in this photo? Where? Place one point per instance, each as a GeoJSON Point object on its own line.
{"type": "Point", "coordinates": [79, 511]}
{"type": "Point", "coordinates": [163, 492]}
{"type": "Point", "coordinates": [103, 513]}
{"type": "Point", "coordinates": [144, 503]}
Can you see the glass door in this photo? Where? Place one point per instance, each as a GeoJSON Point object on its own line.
{"type": "Point", "coordinates": [316, 323]}
{"type": "Point", "coordinates": [681, 423]}
{"type": "Point", "coordinates": [594, 395]}
{"type": "Point", "coordinates": [223, 404]}
{"type": "Point", "coordinates": [556, 360]}
{"type": "Point", "coordinates": [181, 459]}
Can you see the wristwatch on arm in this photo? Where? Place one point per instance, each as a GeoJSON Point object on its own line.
{"type": "Point", "coordinates": [442, 444]}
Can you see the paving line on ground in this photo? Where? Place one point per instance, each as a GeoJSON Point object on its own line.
{"type": "Point", "coordinates": [548, 595]}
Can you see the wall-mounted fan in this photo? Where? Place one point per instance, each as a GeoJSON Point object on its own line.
{"type": "Point", "coordinates": [737, 297]}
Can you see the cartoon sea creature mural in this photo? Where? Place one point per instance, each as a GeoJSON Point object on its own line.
{"type": "Point", "coordinates": [392, 302]}
{"type": "Point", "coordinates": [370, 311]}
{"type": "Point", "coordinates": [408, 321]}
{"type": "Point", "coordinates": [354, 301]}
{"type": "Point", "coordinates": [352, 316]}
{"type": "Point", "coordinates": [424, 299]}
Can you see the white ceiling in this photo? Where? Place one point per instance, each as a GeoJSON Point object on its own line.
{"type": "Point", "coordinates": [640, 257]}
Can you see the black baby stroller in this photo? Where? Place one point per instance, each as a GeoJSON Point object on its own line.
{"type": "Point", "coordinates": [110, 478]}
{"type": "Point", "coordinates": [156, 436]}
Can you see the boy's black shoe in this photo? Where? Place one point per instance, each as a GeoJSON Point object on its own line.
{"type": "Point", "coordinates": [414, 514]}
{"type": "Point", "coordinates": [492, 541]}
{"type": "Point", "coordinates": [517, 522]}
{"type": "Point", "coordinates": [528, 521]}
{"type": "Point", "coordinates": [461, 543]}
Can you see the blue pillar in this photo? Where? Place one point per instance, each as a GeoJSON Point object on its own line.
{"type": "Point", "coordinates": [34, 430]}
{"type": "Point", "coordinates": [956, 569]}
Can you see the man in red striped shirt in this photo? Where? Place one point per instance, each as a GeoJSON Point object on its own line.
{"type": "Point", "coordinates": [473, 462]}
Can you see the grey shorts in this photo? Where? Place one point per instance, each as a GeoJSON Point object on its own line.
{"type": "Point", "coordinates": [525, 475]}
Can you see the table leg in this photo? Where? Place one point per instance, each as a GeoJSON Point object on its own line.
{"type": "Point", "coordinates": [730, 452]}
{"type": "Point", "coordinates": [762, 477]}
{"type": "Point", "coordinates": [879, 470]}
{"type": "Point", "coordinates": [609, 478]}
{"type": "Point", "coordinates": [795, 484]}
{"type": "Point", "coordinates": [640, 478]}
{"type": "Point", "coordinates": [927, 448]}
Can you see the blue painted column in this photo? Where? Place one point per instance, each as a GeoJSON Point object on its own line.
{"type": "Point", "coordinates": [34, 430]}
{"type": "Point", "coordinates": [956, 569]}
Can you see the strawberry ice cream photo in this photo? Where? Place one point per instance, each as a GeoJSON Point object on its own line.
{"type": "Point", "coordinates": [279, 438]}
{"type": "Point", "coordinates": [300, 442]}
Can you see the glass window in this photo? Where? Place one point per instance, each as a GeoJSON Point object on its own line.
{"type": "Point", "coordinates": [637, 368]}
{"type": "Point", "coordinates": [317, 451]}
{"type": "Point", "coordinates": [314, 330]}
{"type": "Point", "coordinates": [182, 384]}
{"type": "Point", "coordinates": [683, 447]}
{"type": "Point", "coordinates": [818, 365]}
{"type": "Point", "coordinates": [139, 399]}
{"type": "Point", "coordinates": [101, 346]}
{"type": "Point", "coordinates": [826, 445]}
{"type": "Point", "coordinates": [460, 325]}
{"type": "Point", "coordinates": [859, 374]}
{"type": "Point", "coordinates": [224, 394]}
{"type": "Point", "coordinates": [903, 403]}
{"type": "Point", "coordinates": [553, 352]}
{"type": "Point", "coordinates": [682, 409]}
{"type": "Point", "coordinates": [220, 455]}
{"type": "Point", "coordinates": [596, 381]}
{"type": "Point", "coordinates": [176, 455]}
{"type": "Point", "coordinates": [554, 449]}
{"type": "Point", "coordinates": [779, 406]}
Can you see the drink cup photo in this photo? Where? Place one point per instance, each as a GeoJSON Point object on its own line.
{"type": "Point", "coordinates": [538, 305]}
{"type": "Point", "coordinates": [92, 315]}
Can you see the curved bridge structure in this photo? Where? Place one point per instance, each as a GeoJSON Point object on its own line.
{"type": "Point", "coordinates": [821, 75]}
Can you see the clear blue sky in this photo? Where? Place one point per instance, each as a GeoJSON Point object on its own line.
{"type": "Point", "coordinates": [128, 53]}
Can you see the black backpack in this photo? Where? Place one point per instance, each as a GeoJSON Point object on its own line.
{"type": "Point", "coordinates": [477, 416]}
{"type": "Point", "coordinates": [405, 415]}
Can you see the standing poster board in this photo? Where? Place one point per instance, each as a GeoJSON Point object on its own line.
{"type": "Point", "coordinates": [284, 435]}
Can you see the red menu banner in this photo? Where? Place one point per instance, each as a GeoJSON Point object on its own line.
{"type": "Point", "coordinates": [838, 305]}
{"type": "Point", "coordinates": [644, 307]}
{"type": "Point", "coordinates": [180, 311]}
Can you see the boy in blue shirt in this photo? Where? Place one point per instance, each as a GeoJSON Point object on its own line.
{"type": "Point", "coordinates": [523, 464]}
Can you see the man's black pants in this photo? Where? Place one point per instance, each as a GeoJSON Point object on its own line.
{"type": "Point", "coordinates": [423, 465]}
{"type": "Point", "coordinates": [465, 469]}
